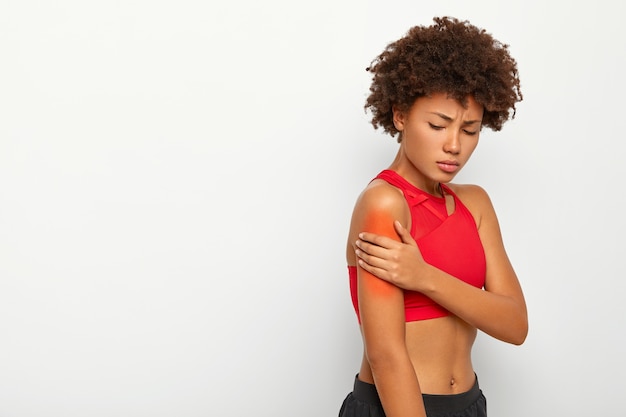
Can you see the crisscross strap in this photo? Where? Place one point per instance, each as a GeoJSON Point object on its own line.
{"type": "Point", "coordinates": [415, 197]}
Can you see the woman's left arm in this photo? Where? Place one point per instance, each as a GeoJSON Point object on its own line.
{"type": "Point", "coordinates": [499, 310]}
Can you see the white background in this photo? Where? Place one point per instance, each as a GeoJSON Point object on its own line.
{"type": "Point", "coordinates": [176, 182]}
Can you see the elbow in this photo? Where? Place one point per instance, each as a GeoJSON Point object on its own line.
{"type": "Point", "coordinates": [513, 331]}
{"type": "Point", "coordinates": [383, 358]}
{"type": "Point", "coordinates": [519, 339]}
{"type": "Point", "coordinates": [520, 334]}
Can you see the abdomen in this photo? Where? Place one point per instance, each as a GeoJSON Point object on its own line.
{"type": "Point", "coordinates": [441, 352]}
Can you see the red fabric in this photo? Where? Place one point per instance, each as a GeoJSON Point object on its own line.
{"type": "Point", "coordinates": [448, 242]}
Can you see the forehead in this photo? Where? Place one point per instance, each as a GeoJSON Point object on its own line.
{"type": "Point", "coordinates": [442, 103]}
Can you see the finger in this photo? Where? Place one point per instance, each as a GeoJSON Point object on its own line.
{"type": "Point", "coordinates": [372, 260]}
{"type": "Point", "coordinates": [404, 233]}
{"type": "Point", "coordinates": [378, 240]}
{"type": "Point", "coordinates": [375, 250]}
{"type": "Point", "coordinates": [378, 272]}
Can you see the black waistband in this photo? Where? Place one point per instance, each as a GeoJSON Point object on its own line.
{"type": "Point", "coordinates": [367, 393]}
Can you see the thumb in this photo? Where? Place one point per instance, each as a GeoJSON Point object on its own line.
{"type": "Point", "coordinates": [404, 234]}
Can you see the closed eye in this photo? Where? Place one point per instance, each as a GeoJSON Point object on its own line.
{"type": "Point", "coordinates": [469, 132]}
{"type": "Point", "coordinates": [435, 127]}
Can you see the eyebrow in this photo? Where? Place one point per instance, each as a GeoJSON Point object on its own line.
{"type": "Point", "coordinates": [449, 119]}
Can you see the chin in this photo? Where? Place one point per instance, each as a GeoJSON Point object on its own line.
{"type": "Point", "coordinates": [446, 178]}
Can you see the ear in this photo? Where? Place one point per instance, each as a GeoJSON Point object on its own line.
{"type": "Point", "coordinates": [399, 117]}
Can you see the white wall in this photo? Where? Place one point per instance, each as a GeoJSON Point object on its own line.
{"type": "Point", "coordinates": [176, 181]}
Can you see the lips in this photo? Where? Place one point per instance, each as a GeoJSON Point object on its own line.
{"type": "Point", "coordinates": [448, 166]}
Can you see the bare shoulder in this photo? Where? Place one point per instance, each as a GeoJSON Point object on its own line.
{"type": "Point", "coordinates": [380, 199]}
{"type": "Point", "coordinates": [470, 192]}
{"type": "Point", "coordinates": [476, 199]}
{"type": "Point", "coordinates": [380, 195]}
{"type": "Point", "coordinates": [375, 210]}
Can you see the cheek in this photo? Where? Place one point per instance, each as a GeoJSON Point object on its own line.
{"type": "Point", "coordinates": [470, 146]}
{"type": "Point", "coordinates": [420, 141]}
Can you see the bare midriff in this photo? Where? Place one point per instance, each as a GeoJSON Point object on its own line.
{"type": "Point", "coordinates": [440, 350]}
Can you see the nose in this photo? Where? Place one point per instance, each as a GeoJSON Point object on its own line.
{"type": "Point", "coordinates": [452, 144]}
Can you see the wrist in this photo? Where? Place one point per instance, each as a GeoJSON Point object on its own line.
{"type": "Point", "coordinates": [427, 281]}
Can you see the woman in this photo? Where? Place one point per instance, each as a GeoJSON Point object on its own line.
{"type": "Point", "coordinates": [426, 260]}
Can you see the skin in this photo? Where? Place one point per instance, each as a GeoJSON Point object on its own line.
{"type": "Point", "coordinates": [432, 356]}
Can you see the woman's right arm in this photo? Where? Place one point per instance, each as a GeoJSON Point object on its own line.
{"type": "Point", "coordinates": [381, 307]}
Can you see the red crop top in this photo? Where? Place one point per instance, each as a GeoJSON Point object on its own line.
{"type": "Point", "coordinates": [448, 242]}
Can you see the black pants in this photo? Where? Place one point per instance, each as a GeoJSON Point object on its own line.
{"type": "Point", "coordinates": [363, 401]}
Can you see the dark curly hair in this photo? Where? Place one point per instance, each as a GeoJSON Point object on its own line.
{"type": "Point", "coordinates": [452, 57]}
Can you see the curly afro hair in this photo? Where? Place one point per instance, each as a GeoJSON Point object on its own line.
{"type": "Point", "coordinates": [452, 57]}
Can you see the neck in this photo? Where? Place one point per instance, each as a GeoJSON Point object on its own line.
{"type": "Point", "coordinates": [406, 169]}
